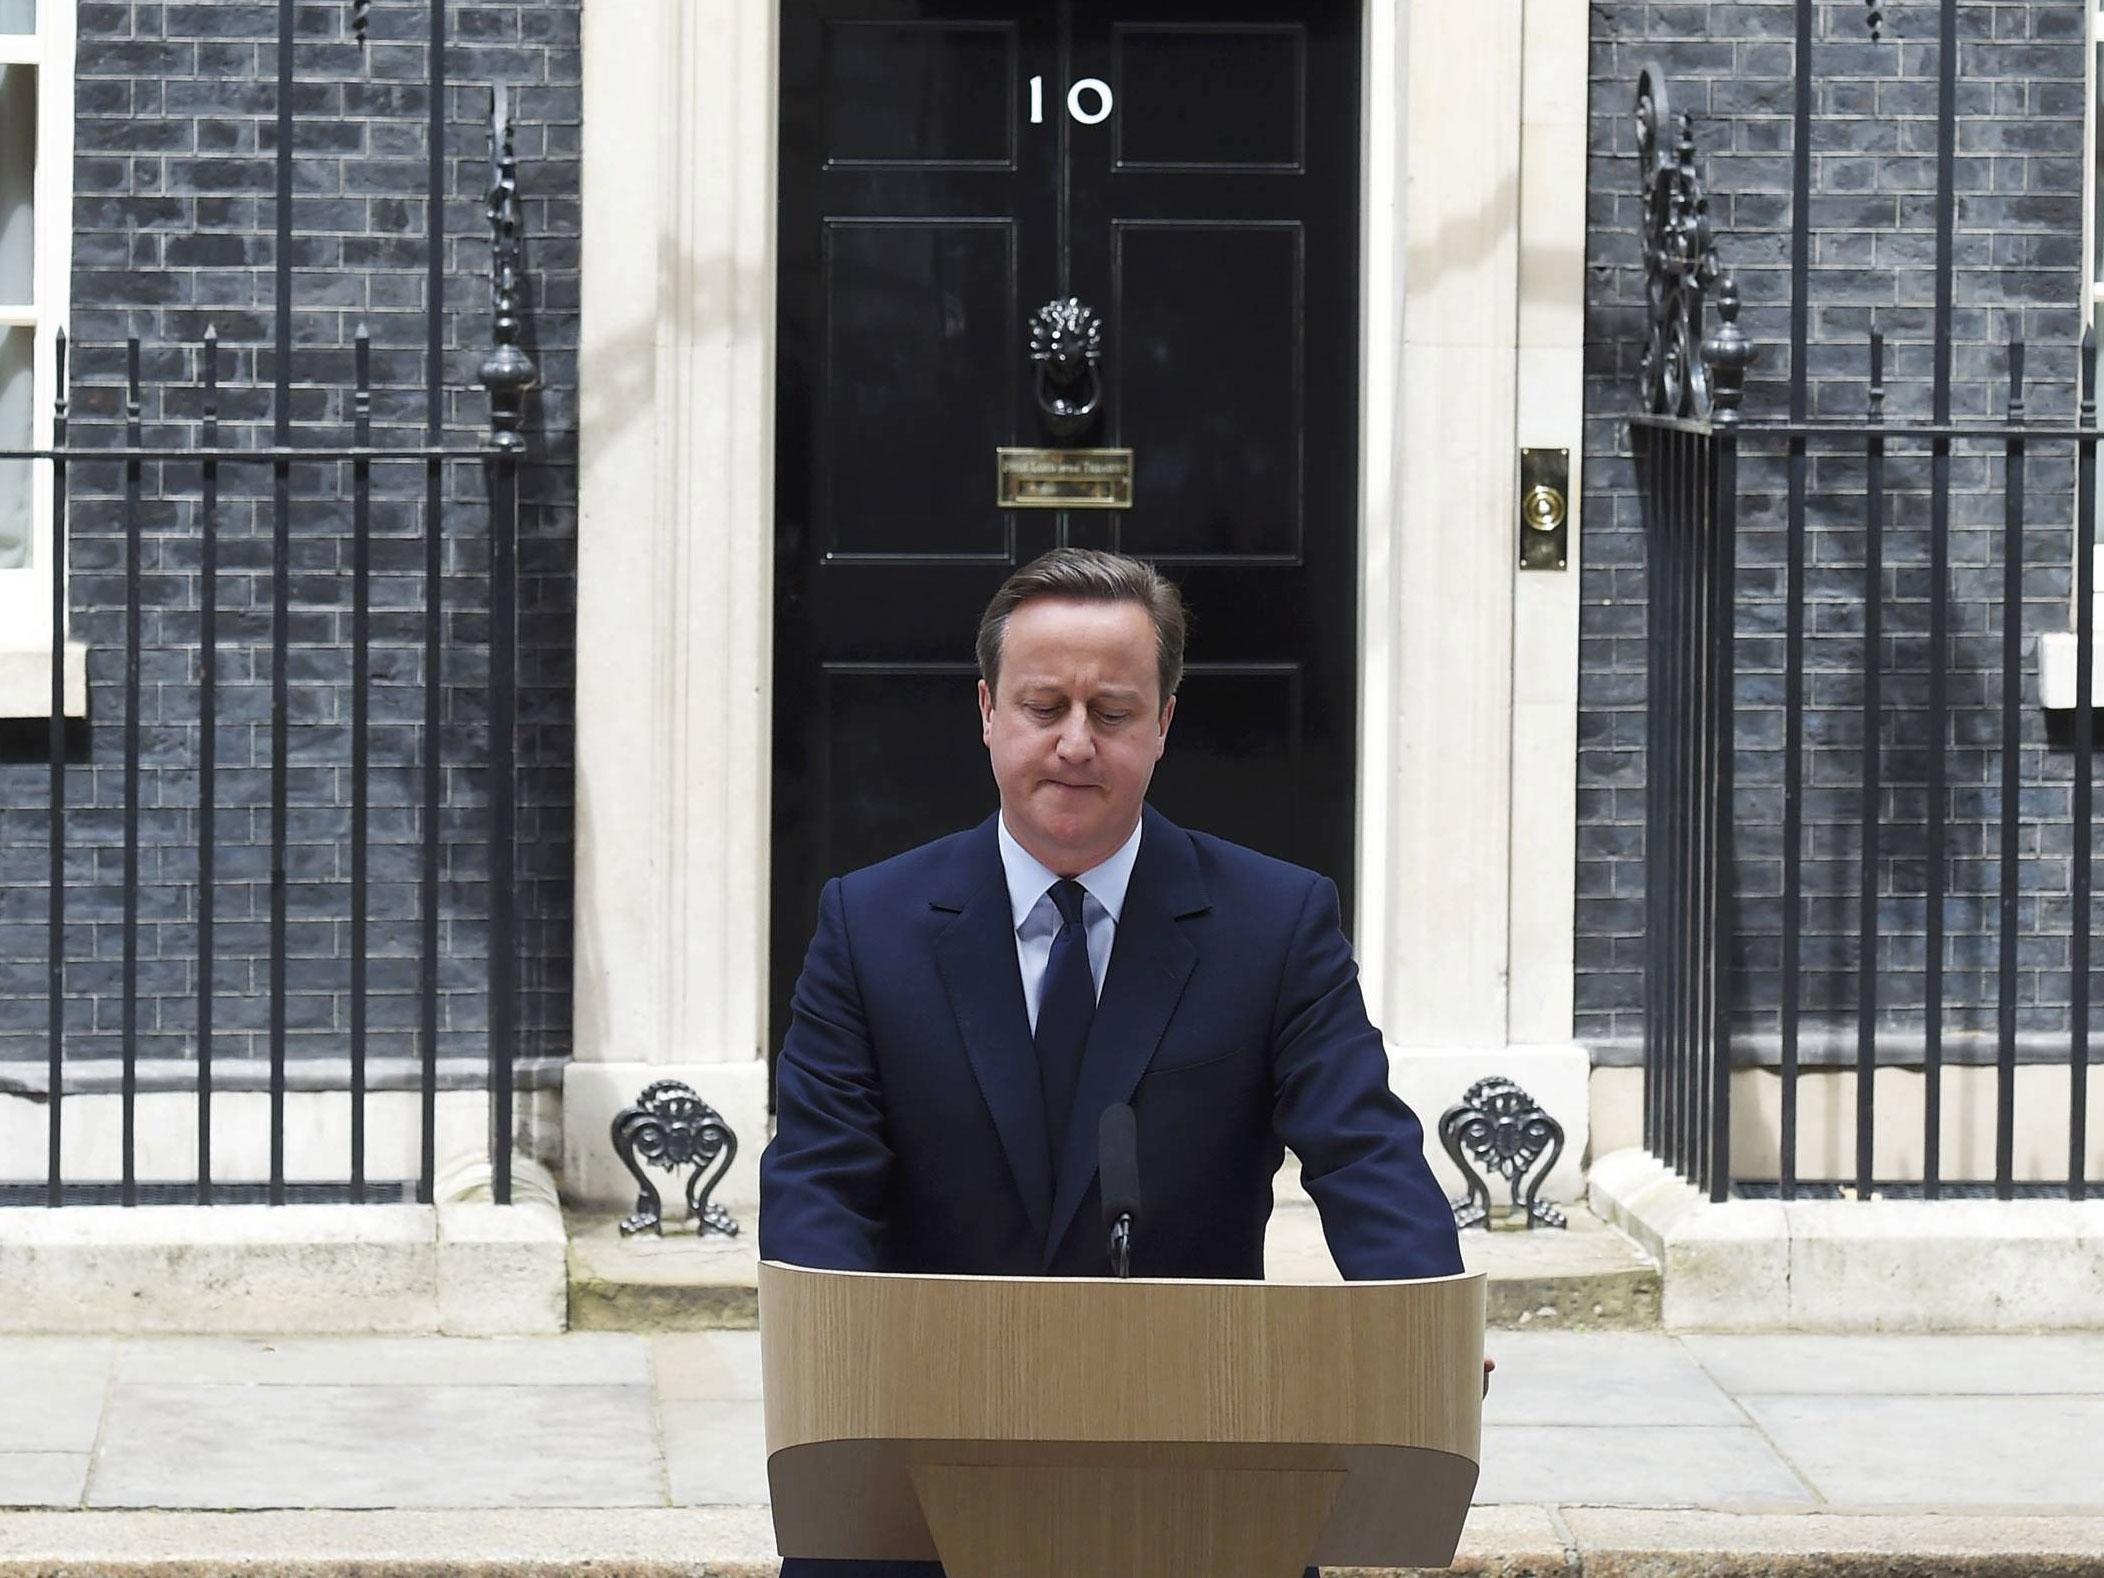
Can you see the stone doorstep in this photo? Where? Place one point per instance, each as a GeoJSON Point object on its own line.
{"type": "Point", "coordinates": [463, 1268]}
{"type": "Point", "coordinates": [1589, 1277]}
{"type": "Point", "coordinates": [737, 1542]}
{"type": "Point", "coordinates": [1863, 1266]}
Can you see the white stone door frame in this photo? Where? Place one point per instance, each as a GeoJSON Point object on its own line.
{"type": "Point", "coordinates": [1472, 296]}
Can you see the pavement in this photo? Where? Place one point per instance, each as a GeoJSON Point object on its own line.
{"type": "Point", "coordinates": [1623, 1453]}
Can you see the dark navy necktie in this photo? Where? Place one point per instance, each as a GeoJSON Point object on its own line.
{"type": "Point", "coordinates": [1065, 1006]}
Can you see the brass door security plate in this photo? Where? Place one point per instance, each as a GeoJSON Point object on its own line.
{"type": "Point", "coordinates": [1545, 509]}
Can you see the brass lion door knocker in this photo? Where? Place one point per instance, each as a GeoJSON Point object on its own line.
{"type": "Point", "coordinates": [1066, 342]}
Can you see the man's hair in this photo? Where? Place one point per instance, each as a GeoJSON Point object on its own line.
{"type": "Point", "coordinates": [1089, 575]}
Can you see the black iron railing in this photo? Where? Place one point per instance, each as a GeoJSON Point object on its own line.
{"type": "Point", "coordinates": [1718, 988]}
{"type": "Point", "coordinates": [303, 464]}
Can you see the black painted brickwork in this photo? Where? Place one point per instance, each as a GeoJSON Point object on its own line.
{"type": "Point", "coordinates": [174, 219]}
{"type": "Point", "coordinates": [2019, 231]}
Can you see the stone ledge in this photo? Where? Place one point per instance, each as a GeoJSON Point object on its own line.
{"type": "Point", "coordinates": [1844, 1265]}
{"type": "Point", "coordinates": [677, 1281]}
{"type": "Point", "coordinates": [1588, 1278]}
{"type": "Point", "coordinates": [462, 1268]}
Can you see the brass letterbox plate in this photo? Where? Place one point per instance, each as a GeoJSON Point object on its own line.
{"type": "Point", "coordinates": [1063, 479]}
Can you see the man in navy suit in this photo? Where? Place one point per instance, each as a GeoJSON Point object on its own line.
{"type": "Point", "coordinates": [968, 1009]}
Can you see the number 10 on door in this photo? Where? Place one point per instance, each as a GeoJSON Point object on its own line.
{"type": "Point", "coordinates": [1088, 101]}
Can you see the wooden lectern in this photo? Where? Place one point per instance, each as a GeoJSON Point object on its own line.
{"type": "Point", "coordinates": [1022, 1427]}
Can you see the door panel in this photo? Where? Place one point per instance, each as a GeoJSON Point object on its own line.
{"type": "Point", "coordinates": [1214, 388]}
{"type": "Point", "coordinates": [917, 368]}
{"type": "Point", "coordinates": [1210, 219]}
{"type": "Point", "coordinates": [918, 91]}
{"type": "Point", "coordinates": [1214, 97]}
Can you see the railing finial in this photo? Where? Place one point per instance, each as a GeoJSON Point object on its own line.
{"type": "Point", "coordinates": [1681, 267]}
{"type": "Point", "coordinates": [1727, 353]}
{"type": "Point", "coordinates": [507, 372]}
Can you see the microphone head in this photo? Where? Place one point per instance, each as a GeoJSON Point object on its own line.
{"type": "Point", "coordinates": [1118, 1164]}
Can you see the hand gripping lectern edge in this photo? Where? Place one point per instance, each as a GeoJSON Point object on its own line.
{"type": "Point", "coordinates": [1021, 1427]}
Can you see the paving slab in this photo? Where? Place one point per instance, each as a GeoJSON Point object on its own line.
{"type": "Point", "coordinates": [1941, 1452]}
{"type": "Point", "coordinates": [1645, 1465]}
{"type": "Point", "coordinates": [51, 1392]}
{"type": "Point", "coordinates": [2051, 1363]}
{"type": "Point", "coordinates": [1600, 1378]}
{"type": "Point", "coordinates": [376, 1446]}
{"type": "Point", "coordinates": [587, 1359]}
{"type": "Point", "coordinates": [42, 1479]}
{"type": "Point", "coordinates": [715, 1452]}
{"type": "Point", "coordinates": [705, 1366]}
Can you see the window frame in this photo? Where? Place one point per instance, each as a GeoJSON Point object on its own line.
{"type": "Point", "coordinates": [25, 592]}
{"type": "Point", "coordinates": [2056, 648]}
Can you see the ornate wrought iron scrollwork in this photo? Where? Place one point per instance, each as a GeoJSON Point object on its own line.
{"type": "Point", "coordinates": [1066, 342]}
{"type": "Point", "coordinates": [507, 372]}
{"type": "Point", "coordinates": [1506, 1131]}
{"type": "Point", "coordinates": [1685, 373]}
{"type": "Point", "coordinates": [671, 1127]}
{"type": "Point", "coordinates": [361, 19]}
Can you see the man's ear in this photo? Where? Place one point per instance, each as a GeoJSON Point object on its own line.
{"type": "Point", "coordinates": [986, 715]}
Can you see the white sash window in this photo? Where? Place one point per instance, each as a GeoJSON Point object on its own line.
{"type": "Point", "coordinates": [36, 204]}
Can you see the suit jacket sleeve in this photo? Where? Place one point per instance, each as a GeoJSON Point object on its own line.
{"type": "Point", "coordinates": [825, 1175]}
{"type": "Point", "coordinates": [1361, 1148]}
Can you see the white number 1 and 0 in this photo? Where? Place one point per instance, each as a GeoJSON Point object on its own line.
{"type": "Point", "coordinates": [1086, 88]}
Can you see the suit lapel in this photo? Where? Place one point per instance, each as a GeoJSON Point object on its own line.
{"type": "Point", "coordinates": [1150, 964]}
{"type": "Point", "coordinates": [976, 957]}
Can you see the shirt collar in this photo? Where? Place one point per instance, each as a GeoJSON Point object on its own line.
{"type": "Point", "coordinates": [1029, 879]}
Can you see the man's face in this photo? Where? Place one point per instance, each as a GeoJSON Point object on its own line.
{"type": "Point", "coordinates": [1076, 728]}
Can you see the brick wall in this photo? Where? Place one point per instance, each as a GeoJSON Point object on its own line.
{"type": "Point", "coordinates": [174, 233]}
{"type": "Point", "coordinates": [2018, 272]}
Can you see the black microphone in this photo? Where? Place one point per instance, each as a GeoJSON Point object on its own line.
{"type": "Point", "coordinates": [1118, 1168]}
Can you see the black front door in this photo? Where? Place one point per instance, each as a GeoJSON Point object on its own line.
{"type": "Point", "coordinates": [1191, 177]}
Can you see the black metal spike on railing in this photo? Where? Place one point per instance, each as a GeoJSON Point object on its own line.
{"type": "Point", "coordinates": [361, 737]}
{"type": "Point", "coordinates": [133, 571]}
{"type": "Point", "coordinates": [1871, 805]}
{"type": "Point", "coordinates": [2085, 766]}
{"type": "Point", "coordinates": [2007, 914]}
{"type": "Point", "coordinates": [55, 954]}
{"type": "Point", "coordinates": [361, 20]}
{"type": "Point", "coordinates": [207, 754]}
{"type": "Point", "coordinates": [507, 372]}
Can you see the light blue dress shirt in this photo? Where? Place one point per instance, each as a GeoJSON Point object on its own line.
{"type": "Point", "coordinates": [1037, 915]}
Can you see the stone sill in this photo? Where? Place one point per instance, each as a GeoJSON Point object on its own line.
{"type": "Point", "coordinates": [25, 681]}
{"type": "Point", "coordinates": [462, 1267]}
{"type": "Point", "coordinates": [1864, 1266]}
{"type": "Point", "coordinates": [2056, 670]}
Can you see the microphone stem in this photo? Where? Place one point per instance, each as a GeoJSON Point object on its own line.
{"type": "Point", "coordinates": [1121, 1247]}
